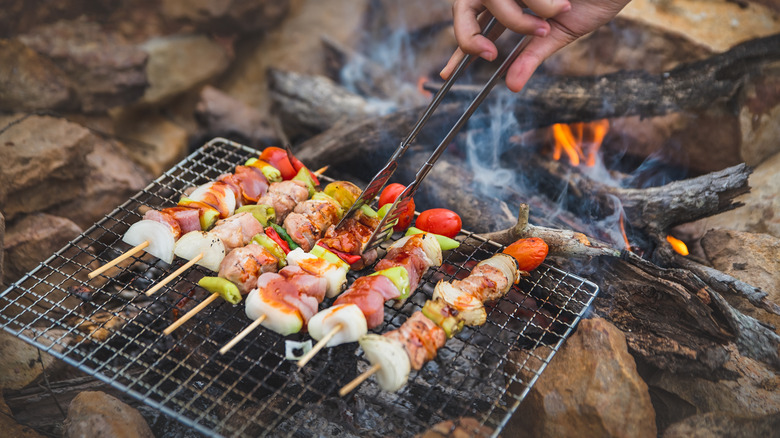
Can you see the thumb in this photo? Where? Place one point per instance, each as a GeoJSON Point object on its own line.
{"type": "Point", "coordinates": [539, 49]}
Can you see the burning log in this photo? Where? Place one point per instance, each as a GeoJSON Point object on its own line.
{"type": "Point", "coordinates": [656, 209]}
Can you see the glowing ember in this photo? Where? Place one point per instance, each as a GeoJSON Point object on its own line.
{"type": "Point", "coordinates": [678, 245]}
{"type": "Point", "coordinates": [580, 141]}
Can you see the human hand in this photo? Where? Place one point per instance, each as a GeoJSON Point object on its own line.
{"type": "Point", "coordinates": [566, 21]}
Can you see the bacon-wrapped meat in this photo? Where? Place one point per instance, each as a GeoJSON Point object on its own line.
{"type": "Point", "coordinates": [369, 294]}
{"type": "Point", "coordinates": [249, 182]}
{"type": "Point", "coordinates": [187, 218]}
{"type": "Point", "coordinates": [242, 266]}
{"type": "Point", "coordinates": [420, 337]}
{"type": "Point", "coordinates": [292, 286]}
{"type": "Point", "coordinates": [415, 253]}
{"type": "Point", "coordinates": [165, 219]}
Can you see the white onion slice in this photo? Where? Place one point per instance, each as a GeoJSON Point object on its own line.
{"type": "Point", "coordinates": [432, 249]}
{"type": "Point", "coordinates": [200, 242]}
{"type": "Point", "coordinates": [469, 307]}
{"type": "Point", "coordinates": [507, 265]}
{"type": "Point", "coordinates": [391, 356]}
{"type": "Point", "coordinates": [353, 324]}
{"type": "Point", "coordinates": [230, 197]}
{"type": "Point", "coordinates": [279, 317]}
{"type": "Point", "coordinates": [160, 237]}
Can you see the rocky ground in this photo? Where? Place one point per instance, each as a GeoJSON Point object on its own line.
{"type": "Point", "coordinates": [99, 98]}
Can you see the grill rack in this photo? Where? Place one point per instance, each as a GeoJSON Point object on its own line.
{"type": "Point", "coordinates": [108, 328]}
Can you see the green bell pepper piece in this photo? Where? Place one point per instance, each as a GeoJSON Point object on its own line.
{"type": "Point", "coordinates": [282, 232]}
{"type": "Point", "coordinates": [400, 278]}
{"type": "Point", "coordinates": [272, 247]}
{"type": "Point", "coordinates": [304, 176]}
{"type": "Point", "coordinates": [262, 212]}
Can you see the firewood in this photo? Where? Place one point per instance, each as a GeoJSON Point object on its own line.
{"type": "Point", "coordinates": [307, 105]}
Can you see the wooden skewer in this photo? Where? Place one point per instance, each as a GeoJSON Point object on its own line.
{"type": "Point", "coordinates": [321, 170]}
{"type": "Point", "coordinates": [256, 323]}
{"type": "Point", "coordinates": [191, 313]}
{"type": "Point", "coordinates": [346, 389]}
{"type": "Point", "coordinates": [174, 274]}
{"type": "Point", "coordinates": [319, 345]}
{"type": "Point", "coordinates": [117, 260]}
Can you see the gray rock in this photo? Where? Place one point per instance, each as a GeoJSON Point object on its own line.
{"type": "Point", "coordinates": [181, 62]}
{"type": "Point", "coordinates": [30, 81]}
{"type": "Point", "coordinates": [230, 16]}
{"type": "Point", "coordinates": [759, 116]}
{"type": "Point", "coordinates": [109, 180]}
{"type": "Point", "coordinates": [20, 362]}
{"type": "Point", "coordinates": [590, 388]}
{"type": "Point", "coordinates": [97, 414]}
{"type": "Point", "coordinates": [105, 70]}
{"type": "Point", "coordinates": [40, 153]}
{"type": "Point", "coordinates": [721, 424]}
{"type": "Point", "coordinates": [753, 391]}
{"type": "Point", "coordinates": [761, 212]}
{"type": "Point", "coordinates": [32, 240]}
{"type": "Point", "coordinates": [151, 139]}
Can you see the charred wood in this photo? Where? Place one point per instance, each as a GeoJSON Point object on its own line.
{"type": "Point", "coordinates": [546, 100]}
{"type": "Point", "coordinates": [721, 282]}
{"type": "Point", "coordinates": [656, 209]}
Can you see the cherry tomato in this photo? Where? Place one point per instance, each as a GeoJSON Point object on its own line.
{"type": "Point", "coordinates": [388, 196]}
{"type": "Point", "coordinates": [439, 221]}
{"type": "Point", "coordinates": [390, 193]}
{"type": "Point", "coordinates": [529, 252]}
{"type": "Point", "coordinates": [277, 157]}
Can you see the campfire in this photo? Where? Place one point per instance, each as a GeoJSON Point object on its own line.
{"type": "Point", "coordinates": [615, 160]}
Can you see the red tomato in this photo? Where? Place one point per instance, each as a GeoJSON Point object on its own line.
{"type": "Point", "coordinates": [390, 193]}
{"type": "Point", "coordinates": [277, 157]}
{"type": "Point", "coordinates": [529, 252]}
{"type": "Point", "coordinates": [439, 221]}
{"type": "Point", "coordinates": [388, 196]}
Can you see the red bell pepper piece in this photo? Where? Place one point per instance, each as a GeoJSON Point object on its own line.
{"type": "Point", "coordinates": [273, 235]}
{"type": "Point", "coordinates": [349, 258]}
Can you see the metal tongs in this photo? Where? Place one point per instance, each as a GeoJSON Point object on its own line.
{"type": "Point", "coordinates": [385, 227]}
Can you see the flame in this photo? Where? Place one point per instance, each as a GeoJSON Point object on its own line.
{"type": "Point", "coordinates": [580, 141]}
{"type": "Point", "coordinates": [421, 86]}
{"type": "Point", "coordinates": [623, 232]}
{"type": "Point", "coordinates": [678, 245]}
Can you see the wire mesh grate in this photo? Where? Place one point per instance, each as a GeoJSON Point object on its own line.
{"type": "Point", "coordinates": [108, 328]}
